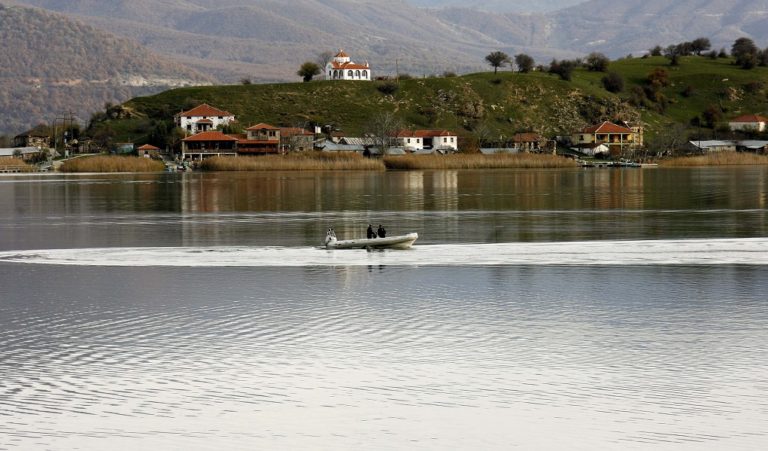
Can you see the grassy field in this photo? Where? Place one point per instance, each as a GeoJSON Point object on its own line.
{"type": "Point", "coordinates": [717, 159]}
{"type": "Point", "coordinates": [494, 106]}
{"type": "Point", "coordinates": [315, 161]}
{"type": "Point", "coordinates": [104, 163]}
{"type": "Point", "coordinates": [477, 161]}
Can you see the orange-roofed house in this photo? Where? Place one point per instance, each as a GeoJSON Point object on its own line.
{"type": "Point", "coordinates": [203, 118]}
{"type": "Point", "coordinates": [341, 67]}
{"type": "Point", "coordinates": [147, 150]}
{"type": "Point", "coordinates": [437, 140]}
{"type": "Point", "coordinates": [617, 138]}
{"type": "Point", "coordinates": [749, 122]}
{"type": "Point", "coordinates": [208, 144]}
{"type": "Point", "coordinates": [260, 139]}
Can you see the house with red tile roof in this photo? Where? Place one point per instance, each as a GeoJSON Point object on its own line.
{"type": "Point", "coordinates": [341, 67]}
{"type": "Point", "coordinates": [259, 139]}
{"type": "Point", "coordinates": [203, 118]}
{"type": "Point", "coordinates": [438, 140]}
{"type": "Point", "coordinates": [617, 138]}
{"type": "Point", "coordinates": [208, 144]}
{"type": "Point", "coordinates": [147, 150]}
{"type": "Point", "coordinates": [749, 122]}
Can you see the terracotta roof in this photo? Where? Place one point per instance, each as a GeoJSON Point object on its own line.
{"type": "Point", "coordinates": [341, 54]}
{"type": "Point", "coordinates": [432, 133]}
{"type": "Point", "coordinates": [262, 126]}
{"type": "Point", "coordinates": [606, 127]}
{"type": "Point", "coordinates": [205, 110]}
{"type": "Point", "coordinates": [750, 118]}
{"type": "Point", "coordinates": [210, 136]}
{"type": "Point", "coordinates": [293, 131]}
{"type": "Point", "coordinates": [350, 65]}
{"type": "Point", "coordinates": [148, 147]}
{"type": "Point", "coordinates": [526, 137]}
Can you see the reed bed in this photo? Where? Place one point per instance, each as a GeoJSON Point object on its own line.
{"type": "Point", "coordinates": [15, 164]}
{"type": "Point", "coordinates": [717, 159]}
{"type": "Point", "coordinates": [313, 161]}
{"type": "Point", "coordinates": [104, 163]}
{"type": "Point", "coordinates": [478, 161]}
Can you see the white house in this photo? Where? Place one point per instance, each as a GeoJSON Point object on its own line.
{"type": "Point", "coordinates": [203, 118]}
{"type": "Point", "coordinates": [751, 122]}
{"type": "Point", "coordinates": [341, 67]}
{"type": "Point", "coordinates": [436, 140]}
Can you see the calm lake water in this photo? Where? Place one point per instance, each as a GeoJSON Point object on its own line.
{"type": "Point", "coordinates": [566, 309]}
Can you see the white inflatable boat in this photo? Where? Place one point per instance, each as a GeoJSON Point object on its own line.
{"type": "Point", "coordinates": [390, 242]}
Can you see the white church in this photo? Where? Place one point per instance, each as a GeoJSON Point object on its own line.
{"type": "Point", "coordinates": [341, 67]}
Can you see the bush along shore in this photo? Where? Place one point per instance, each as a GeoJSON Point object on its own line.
{"type": "Point", "coordinates": [104, 163]}
{"type": "Point", "coordinates": [717, 159]}
{"type": "Point", "coordinates": [478, 161]}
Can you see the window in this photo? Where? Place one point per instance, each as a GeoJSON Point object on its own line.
{"type": "Point", "coordinates": [351, 73]}
{"type": "Point", "coordinates": [409, 140]}
{"type": "Point", "coordinates": [357, 73]}
{"type": "Point", "coordinates": [365, 74]}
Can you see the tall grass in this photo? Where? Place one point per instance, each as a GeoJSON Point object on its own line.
{"type": "Point", "coordinates": [478, 161]}
{"type": "Point", "coordinates": [718, 159]}
{"type": "Point", "coordinates": [16, 164]}
{"type": "Point", "coordinates": [115, 163]}
{"type": "Point", "coordinates": [310, 161]}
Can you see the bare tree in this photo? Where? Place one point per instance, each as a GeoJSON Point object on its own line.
{"type": "Point", "coordinates": [383, 128]}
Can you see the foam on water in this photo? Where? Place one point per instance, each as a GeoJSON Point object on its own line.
{"type": "Point", "coordinates": [751, 251]}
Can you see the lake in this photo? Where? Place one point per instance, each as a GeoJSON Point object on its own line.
{"type": "Point", "coordinates": [550, 309]}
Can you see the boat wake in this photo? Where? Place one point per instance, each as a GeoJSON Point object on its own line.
{"type": "Point", "coordinates": [749, 251]}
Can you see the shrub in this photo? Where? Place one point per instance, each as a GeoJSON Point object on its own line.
{"type": "Point", "coordinates": [597, 62]}
{"type": "Point", "coordinates": [688, 91]}
{"type": "Point", "coordinates": [387, 87]}
{"type": "Point", "coordinates": [613, 82]}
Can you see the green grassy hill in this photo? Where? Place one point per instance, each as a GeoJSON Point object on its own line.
{"type": "Point", "coordinates": [486, 105]}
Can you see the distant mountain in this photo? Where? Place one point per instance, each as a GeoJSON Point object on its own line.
{"type": "Point", "coordinates": [267, 40]}
{"type": "Point", "coordinates": [500, 6]}
{"type": "Point", "coordinates": [53, 65]}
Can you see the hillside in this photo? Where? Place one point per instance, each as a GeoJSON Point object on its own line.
{"type": "Point", "coordinates": [267, 40]}
{"type": "Point", "coordinates": [484, 105]}
{"type": "Point", "coordinates": [53, 65]}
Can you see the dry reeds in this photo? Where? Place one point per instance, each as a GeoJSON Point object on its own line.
{"type": "Point", "coordinates": [478, 161]}
{"type": "Point", "coordinates": [717, 159]}
{"type": "Point", "coordinates": [105, 163]}
{"type": "Point", "coordinates": [310, 161]}
{"type": "Point", "coordinates": [15, 164]}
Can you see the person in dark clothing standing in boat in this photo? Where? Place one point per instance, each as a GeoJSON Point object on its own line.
{"type": "Point", "coordinates": [382, 232]}
{"type": "Point", "coordinates": [371, 234]}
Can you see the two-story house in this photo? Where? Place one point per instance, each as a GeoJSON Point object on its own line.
{"type": "Point", "coordinates": [203, 118]}
{"type": "Point", "coordinates": [617, 138]}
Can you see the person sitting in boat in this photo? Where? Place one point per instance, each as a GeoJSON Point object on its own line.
{"type": "Point", "coordinates": [382, 232]}
{"type": "Point", "coordinates": [371, 233]}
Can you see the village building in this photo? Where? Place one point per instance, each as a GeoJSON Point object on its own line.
{"type": "Point", "coordinates": [528, 142]}
{"type": "Point", "coordinates": [434, 140]}
{"type": "Point", "coordinates": [260, 139]}
{"type": "Point", "coordinates": [749, 122]}
{"type": "Point", "coordinates": [37, 137]}
{"type": "Point", "coordinates": [294, 139]}
{"type": "Point", "coordinates": [711, 146]}
{"type": "Point", "coordinates": [341, 67]}
{"type": "Point", "coordinates": [208, 144]}
{"type": "Point", "coordinates": [148, 151]}
{"type": "Point", "coordinates": [203, 118]}
{"type": "Point", "coordinates": [617, 138]}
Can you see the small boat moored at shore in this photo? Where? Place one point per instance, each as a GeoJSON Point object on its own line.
{"type": "Point", "coordinates": [390, 242]}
